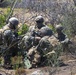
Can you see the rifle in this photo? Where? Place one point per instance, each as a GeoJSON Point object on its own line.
{"type": "Point", "coordinates": [36, 33]}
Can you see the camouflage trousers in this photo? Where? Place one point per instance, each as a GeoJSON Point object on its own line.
{"type": "Point", "coordinates": [29, 50]}
{"type": "Point", "coordinates": [10, 53]}
{"type": "Point", "coordinates": [35, 52]}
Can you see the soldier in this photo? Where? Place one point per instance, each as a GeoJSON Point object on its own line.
{"type": "Point", "coordinates": [60, 35]}
{"type": "Point", "coordinates": [33, 33]}
{"type": "Point", "coordinates": [63, 39]}
{"type": "Point", "coordinates": [10, 39]}
{"type": "Point", "coordinates": [46, 33]}
{"type": "Point", "coordinates": [34, 36]}
{"type": "Point", "coordinates": [12, 25]}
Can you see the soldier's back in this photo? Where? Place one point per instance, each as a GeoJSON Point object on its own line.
{"type": "Point", "coordinates": [54, 41]}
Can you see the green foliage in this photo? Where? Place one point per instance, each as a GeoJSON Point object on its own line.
{"type": "Point", "coordinates": [23, 29]}
{"type": "Point", "coordinates": [16, 62]}
{"type": "Point", "coordinates": [2, 20]}
{"type": "Point", "coordinates": [53, 58]}
{"type": "Point", "coordinates": [52, 27]}
{"type": "Point", "coordinates": [3, 17]}
{"type": "Point", "coordinates": [52, 55]}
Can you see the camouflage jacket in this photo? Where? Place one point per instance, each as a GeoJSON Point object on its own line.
{"type": "Point", "coordinates": [6, 27]}
{"type": "Point", "coordinates": [33, 30]}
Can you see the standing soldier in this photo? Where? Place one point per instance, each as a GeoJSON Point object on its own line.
{"type": "Point", "coordinates": [10, 37]}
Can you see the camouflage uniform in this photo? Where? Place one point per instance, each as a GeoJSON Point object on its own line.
{"type": "Point", "coordinates": [9, 26]}
{"type": "Point", "coordinates": [33, 31]}
{"type": "Point", "coordinates": [34, 38]}
{"type": "Point", "coordinates": [9, 39]}
{"type": "Point", "coordinates": [63, 39]}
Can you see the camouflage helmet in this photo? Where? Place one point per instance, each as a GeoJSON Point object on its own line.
{"type": "Point", "coordinates": [59, 27]}
{"type": "Point", "coordinates": [46, 31]}
{"type": "Point", "coordinates": [39, 19]}
{"type": "Point", "coordinates": [14, 21]}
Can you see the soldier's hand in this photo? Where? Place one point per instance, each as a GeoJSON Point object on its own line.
{"type": "Point", "coordinates": [37, 38]}
{"type": "Point", "coordinates": [62, 42]}
{"type": "Point", "coordinates": [66, 41]}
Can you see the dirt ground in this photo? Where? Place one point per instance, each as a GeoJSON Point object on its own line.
{"type": "Point", "coordinates": [68, 69]}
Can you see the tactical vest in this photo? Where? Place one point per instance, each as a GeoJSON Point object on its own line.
{"type": "Point", "coordinates": [1, 33]}
{"type": "Point", "coordinates": [6, 27]}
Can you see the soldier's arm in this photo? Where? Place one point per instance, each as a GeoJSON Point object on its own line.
{"type": "Point", "coordinates": [31, 31]}
{"type": "Point", "coordinates": [66, 40]}
{"type": "Point", "coordinates": [31, 28]}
